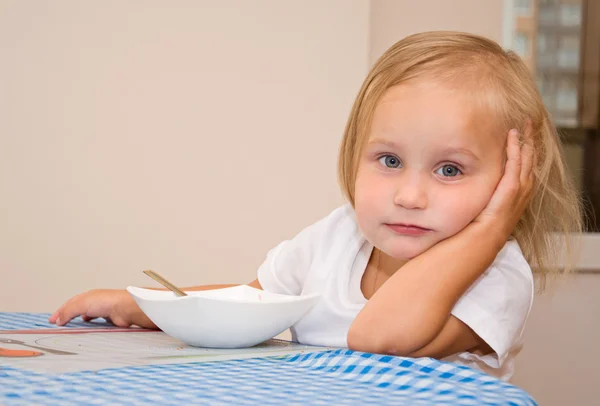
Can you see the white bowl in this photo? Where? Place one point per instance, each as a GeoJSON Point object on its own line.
{"type": "Point", "coordinates": [236, 317]}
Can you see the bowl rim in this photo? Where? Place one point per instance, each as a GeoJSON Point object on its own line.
{"type": "Point", "coordinates": [281, 297]}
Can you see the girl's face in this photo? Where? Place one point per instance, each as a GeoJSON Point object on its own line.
{"type": "Point", "coordinates": [429, 167]}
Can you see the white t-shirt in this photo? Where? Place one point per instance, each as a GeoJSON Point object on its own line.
{"type": "Point", "coordinates": [330, 258]}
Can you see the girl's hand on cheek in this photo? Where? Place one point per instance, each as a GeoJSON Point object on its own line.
{"type": "Point", "coordinates": [514, 191]}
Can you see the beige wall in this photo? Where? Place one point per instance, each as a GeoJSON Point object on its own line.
{"type": "Point", "coordinates": [393, 19]}
{"type": "Point", "coordinates": [187, 137]}
{"type": "Point", "coordinates": [559, 364]}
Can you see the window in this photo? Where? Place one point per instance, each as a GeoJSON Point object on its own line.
{"type": "Point", "coordinates": [521, 44]}
{"type": "Point", "coordinates": [523, 8]}
{"type": "Point", "coordinates": [558, 39]}
{"type": "Point", "coordinates": [570, 14]}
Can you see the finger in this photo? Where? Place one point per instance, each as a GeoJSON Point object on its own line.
{"type": "Point", "coordinates": [71, 310]}
{"type": "Point", "coordinates": [534, 161]}
{"type": "Point", "coordinates": [55, 316]}
{"type": "Point", "coordinates": [119, 321]}
{"type": "Point", "coordinates": [512, 169]}
{"type": "Point", "coordinates": [527, 154]}
{"type": "Point", "coordinates": [87, 318]}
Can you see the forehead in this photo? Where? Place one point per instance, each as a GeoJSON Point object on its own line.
{"type": "Point", "coordinates": [435, 113]}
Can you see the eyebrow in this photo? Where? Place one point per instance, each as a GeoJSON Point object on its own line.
{"type": "Point", "coordinates": [445, 151]}
{"type": "Point", "coordinates": [383, 142]}
{"type": "Point", "coordinates": [460, 151]}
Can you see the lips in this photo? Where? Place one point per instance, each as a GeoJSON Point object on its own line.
{"type": "Point", "coordinates": [408, 229]}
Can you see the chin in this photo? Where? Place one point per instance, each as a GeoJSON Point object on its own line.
{"type": "Point", "coordinates": [408, 251]}
{"type": "Point", "coordinates": [407, 255]}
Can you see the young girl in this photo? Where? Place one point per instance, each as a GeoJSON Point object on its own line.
{"type": "Point", "coordinates": [455, 181]}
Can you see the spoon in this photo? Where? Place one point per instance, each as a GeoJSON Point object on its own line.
{"type": "Point", "coordinates": [165, 282]}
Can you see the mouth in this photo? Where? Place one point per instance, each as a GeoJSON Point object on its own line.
{"type": "Point", "coordinates": [408, 229]}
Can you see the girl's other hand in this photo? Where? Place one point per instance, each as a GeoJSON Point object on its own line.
{"type": "Point", "coordinates": [514, 191]}
{"type": "Point", "coordinates": [116, 306]}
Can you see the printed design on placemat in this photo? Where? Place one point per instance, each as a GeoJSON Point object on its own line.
{"type": "Point", "coordinates": [97, 349]}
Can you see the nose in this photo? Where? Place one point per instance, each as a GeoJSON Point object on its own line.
{"type": "Point", "coordinates": [411, 192]}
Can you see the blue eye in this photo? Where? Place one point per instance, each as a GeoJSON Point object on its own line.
{"type": "Point", "coordinates": [448, 171]}
{"type": "Point", "coordinates": [390, 161]}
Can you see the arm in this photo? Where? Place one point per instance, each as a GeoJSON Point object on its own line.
{"type": "Point", "coordinates": [116, 305]}
{"type": "Point", "coordinates": [426, 299]}
{"type": "Point", "coordinates": [422, 324]}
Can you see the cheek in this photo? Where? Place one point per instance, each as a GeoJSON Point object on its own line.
{"type": "Point", "coordinates": [372, 189]}
{"type": "Point", "coordinates": [460, 211]}
{"type": "Point", "coordinates": [369, 196]}
{"type": "Point", "coordinates": [362, 190]}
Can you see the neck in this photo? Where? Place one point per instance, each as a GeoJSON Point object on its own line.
{"type": "Point", "coordinates": [387, 264]}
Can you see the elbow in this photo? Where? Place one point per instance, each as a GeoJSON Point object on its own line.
{"type": "Point", "coordinates": [363, 343]}
{"type": "Point", "coordinates": [366, 340]}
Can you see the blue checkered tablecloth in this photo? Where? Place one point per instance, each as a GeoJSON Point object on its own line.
{"type": "Point", "coordinates": [336, 376]}
{"type": "Point", "coordinates": [25, 321]}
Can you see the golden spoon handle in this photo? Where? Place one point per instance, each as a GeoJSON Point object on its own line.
{"type": "Point", "coordinates": [165, 282]}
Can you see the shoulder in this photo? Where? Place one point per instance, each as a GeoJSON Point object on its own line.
{"type": "Point", "coordinates": [508, 281]}
{"type": "Point", "coordinates": [340, 221]}
{"type": "Point", "coordinates": [511, 269]}
{"type": "Point", "coordinates": [511, 256]}
{"type": "Point", "coordinates": [287, 266]}
{"type": "Point", "coordinates": [330, 231]}
{"type": "Point", "coordinates": [342, 216]}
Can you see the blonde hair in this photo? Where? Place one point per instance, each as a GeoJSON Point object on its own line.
{"type": "Point", "coordinates": [501, 82]}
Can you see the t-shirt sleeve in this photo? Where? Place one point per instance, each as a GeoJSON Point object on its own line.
{"type": "Point", "coordinates": [497, 305]}
{"type": "Point", "coordinates": [283, 271]}
{"type": "Point", "coordinates": [286, 266]}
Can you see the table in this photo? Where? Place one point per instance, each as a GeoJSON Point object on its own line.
{"type": "Point", "coordinates": [268, 377]}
